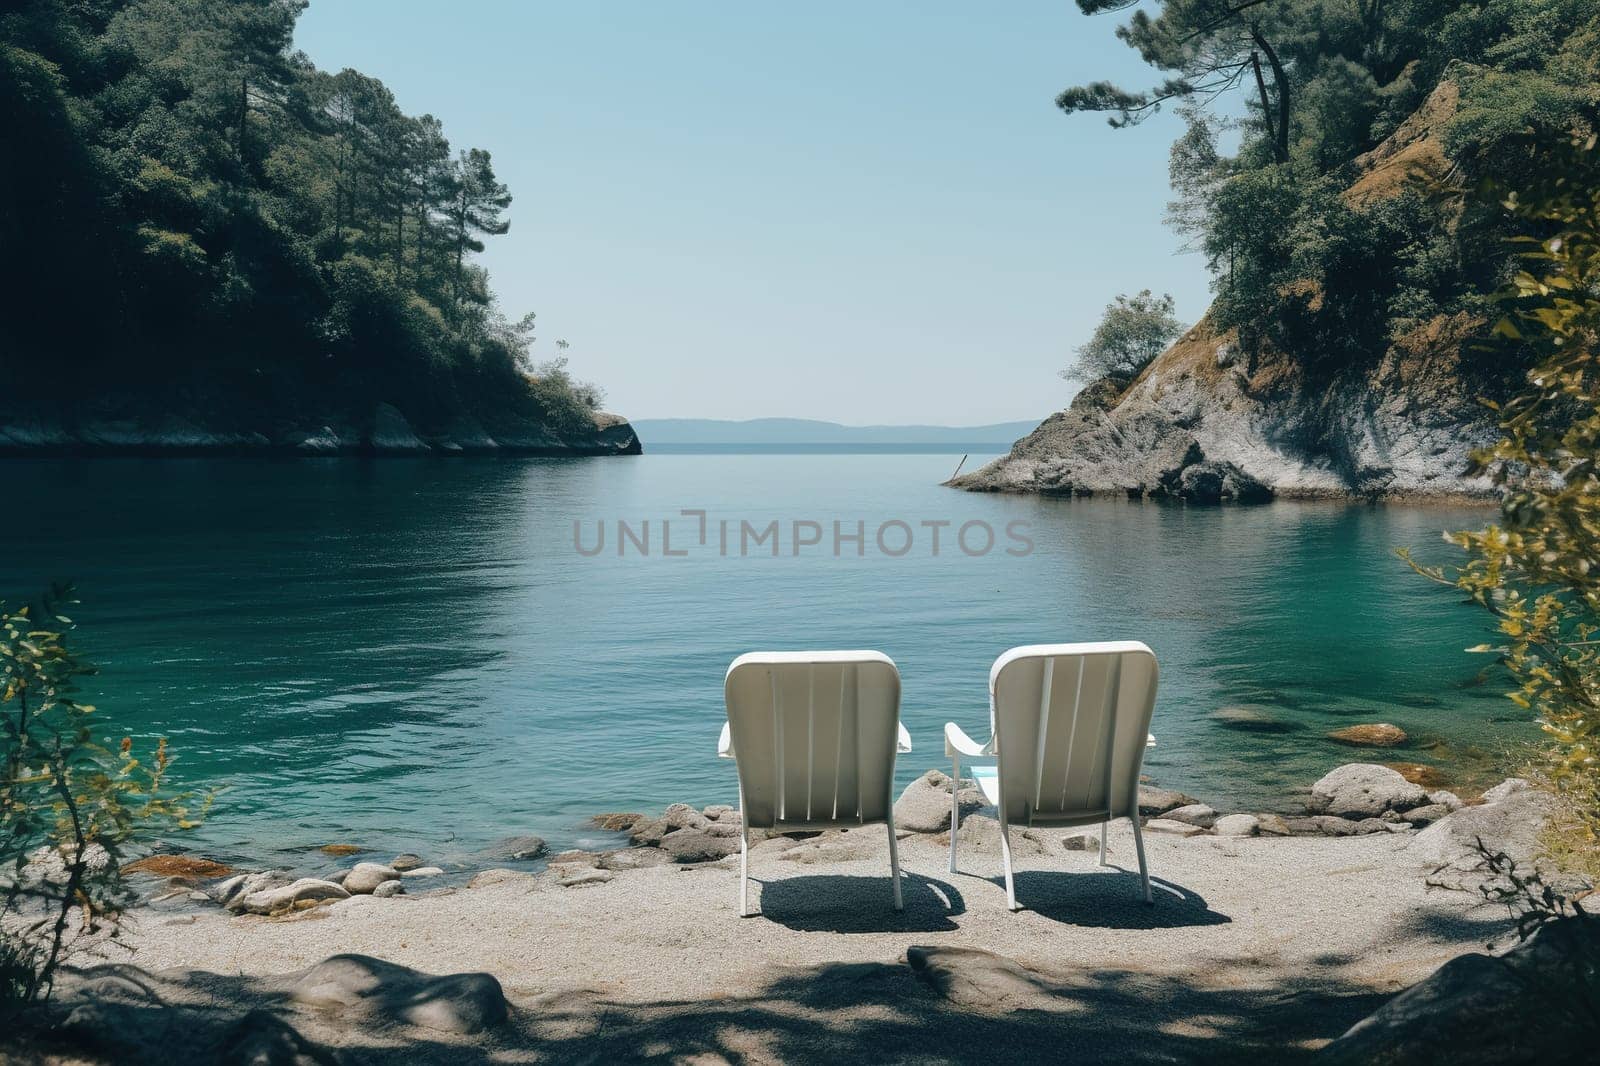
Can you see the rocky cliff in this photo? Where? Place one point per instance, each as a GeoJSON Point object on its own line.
{"type": "Point", "coordinates": [126, 426]}
{"type": "Point", "coordinates": [1208, 421]}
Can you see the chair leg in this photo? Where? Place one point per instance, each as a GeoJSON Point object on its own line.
{"type": "Point", "coordinates": [1005, 859]}
{"type": "Point", "coordinates": [894, 866]}
{"type": "Point", "coordinates": [955, 807]}
{"type": "Point", "coordinates": [744, 871]}
{"type": "Point", "coordinates": [1138, 846]}
{"type": "Point", "coordinates": [1103, 841]}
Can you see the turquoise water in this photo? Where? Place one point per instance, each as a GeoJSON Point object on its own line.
{"type": "Point", "coordinates": [411, 653]}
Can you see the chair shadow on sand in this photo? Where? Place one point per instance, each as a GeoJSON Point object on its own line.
{"type": "Point", "coordinates": [833, 903]}
{"type": "Point", "coordinates": [1106, 898]}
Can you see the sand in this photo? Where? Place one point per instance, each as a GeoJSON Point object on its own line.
{"type": "Point", "coordinates": [1252, 943]}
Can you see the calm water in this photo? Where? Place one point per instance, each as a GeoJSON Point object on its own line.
{"type": "Point", "coordinates": [410, 653]}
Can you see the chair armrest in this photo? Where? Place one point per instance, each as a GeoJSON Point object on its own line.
{"type": "Point", "coordinates": [903, 741]}
{"type": "Point", "coordinates": [725, 743]}
{"type": "Point", "coordinates": [1149, 740]}
{"type": "Point", "coordinates": [956, 741]}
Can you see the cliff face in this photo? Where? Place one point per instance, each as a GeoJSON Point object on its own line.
{"type": "Point", "coordinates": [1204, 422]}
{"type": "Point", "coordinates": [111, 426]}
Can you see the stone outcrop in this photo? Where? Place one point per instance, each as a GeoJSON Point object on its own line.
{"type": "Point", "coordinates": [1209, 422]}
{"type": "Point", "coordinates": [1364, 790]}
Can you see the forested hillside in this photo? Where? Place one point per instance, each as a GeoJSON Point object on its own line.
{"type": "Point", "coordinates": [208, 241]}
{"type": "Point", "coordinates": [1351, 258]}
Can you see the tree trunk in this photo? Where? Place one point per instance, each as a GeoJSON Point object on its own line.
{"type": "Point", "coordinates": [1280, 80]}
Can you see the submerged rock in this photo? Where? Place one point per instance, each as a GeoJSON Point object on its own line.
{"type": "Point", "coordinates": [1375, 735]}
{"type": "Point", "coordinates": [177, 866]}
{"type": "Point", "coordinates": [517, 849]}
{"type": "Point", "coordinates": [406, 862]}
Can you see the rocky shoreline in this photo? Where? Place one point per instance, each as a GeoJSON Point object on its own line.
{"type": "Point", "coordinates": [1296, 927]}
{"type": "Point", "coordinates": [382, 431]}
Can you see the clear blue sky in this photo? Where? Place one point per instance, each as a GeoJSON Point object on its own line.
{"type": "Point", "coordinates": [862, 212]}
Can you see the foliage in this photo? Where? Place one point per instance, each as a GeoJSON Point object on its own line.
{"type": "Point", "coordinates": [69, 806]}
{"type": "Point", "coordinates": [1538, 570]}
{"type": "Point", "coordinates": [1133, 331]}
{"type": "Point", "coordinates": [200, 209]}
{"type": "Point", "coordinates": [1317, 248]}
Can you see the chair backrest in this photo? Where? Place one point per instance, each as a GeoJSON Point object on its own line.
{"type": "Point", "coordinates": [814, 736]}
{"type": "Point", "coordinates": [1070, 724]}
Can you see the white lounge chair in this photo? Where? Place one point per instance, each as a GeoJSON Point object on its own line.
{"type": "Point", "coordinates": [814, 734]}
{"type": "Point", "coordinates": [1069, 725]}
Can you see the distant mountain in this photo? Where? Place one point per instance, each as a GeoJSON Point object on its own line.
{"type": "Point", "coordinates": [776, 431]}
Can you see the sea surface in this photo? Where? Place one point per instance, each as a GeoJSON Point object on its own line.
{"type": "Point", "coordinates": [420, 654]}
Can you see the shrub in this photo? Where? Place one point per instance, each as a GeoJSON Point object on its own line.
{"type": "Point", "coordinates": [1538, 570]}
{"type": "Point", "coordinates": [1132, 332]}
{"type": "Point", "coordinates": [69, 806]}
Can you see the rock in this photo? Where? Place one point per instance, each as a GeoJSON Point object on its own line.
{"type": "Point", "coordinates": [1534, 1004]}
{"type": "Point", "coordinates": [392, 434]}
{"type": "Point", "coordinates": [617, 822]}
{"type": "Point", "coordinates": [634, 858]}
{"type": "Point", "coordinates": [1083, 842]}
{"type": "Point", "coordinates": [235, 890]}
{"type": "Point", "coordinates": [177, 866]}
{"type": "Point", "coordinates": [1427, 814]}
{"type": "Point", "coordinates": [1167, 825]}
{"type": "Point", "coordinates": [696, 845]}
{"type": "Point", "coordinates": [1362, 790]}
{"type": "Point", "coordinates": [1448, 800]}
{"type": "Point", "coordinates": [683, 816]}
{"type": "Point", "coordinates": [262, 1039]}
{"type": "Point", "coordinates": [422, 871]}
{"type": "Point", "coordinates": [972, 977]}
{"type": "Point", "coordinates": [389, 888]}
{"type": "Point", "coordinates": [1400, 424]}
{"type": "Point", "coordinates": [720, 829]}
{"type": "Point", "coordinates": [980, 834]}
{"type": "Point", "coordinates": [1330, 825]}
{"type": "Point", "coordinates": [837, 846]}
{"type": "Point", "coordinates": [1272, 825]}
{"type": "Point", "coordinates": [341, 849]}
{"type": "Point", "coordinates": [274, 900]}
{"type": "Point", "coordinates": [366, 876]}
{"type": "Point", "coordinates": [576, 857]}
{"type": "Point", "coordinates": [924, 806]}
{"type": "Point", "coordinates": [358, 984]}
{"type": "Point", "coordinates": [1429, 777]}
{"type": "Point", "coordinates": [576, 876]}
{"type": "Point", "coordinates": [1377, 735]}
{"type": "Point", "coordinates": [1236, 825]}
{"type": "Point", "coordinates": [516, 849]}
{"type": "Point", "coordinates": [718, 811]}
{"type": "Point", "coordinates": [1252, 719]}
{"type": "Point", "coordinates": [1154, 801]}
{"type": "Point", "coordinates": [406, 862]}
{"type": "Point", "coordinates": [1508, 820]}
{"type": "Point", "coordinates": [1193, 813]}
{"type": "Point", "coordinates": [485, 878]}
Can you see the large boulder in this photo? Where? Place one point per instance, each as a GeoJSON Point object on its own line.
{"type": "Point", "coordinates": [1508, 820]}
{"type": "Point", "coordinates": [1364, 790]}
{"type": "Point", "coordinates": [924, 807]}
{"type": "Point", "coordinates": [305, 892]}
{"type": "Point", "coordinates": [981, 834]}
{"type": "Point", "coordinates": [1536, 1004]}
{"type": "Point", "coordinates": [365, 877]}
{"type": "Point", "coordinates": [974, 978]}
{"type": "Point", "coordinates": [362, 985]}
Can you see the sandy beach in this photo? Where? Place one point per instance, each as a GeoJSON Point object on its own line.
{"type": "Point", "coordinates": [1253, 944]}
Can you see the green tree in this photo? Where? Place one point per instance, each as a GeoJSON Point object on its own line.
{"type": "Point", "coordinates": [476, 208]}
{"type": "Point", "coordinates": [1132, 332]}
